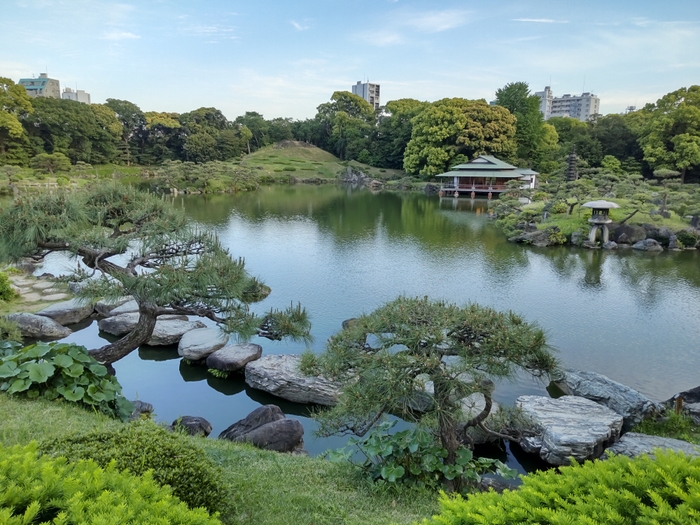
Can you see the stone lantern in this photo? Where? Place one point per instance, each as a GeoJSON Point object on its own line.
{"type": "Point", "coordinates": [600, 218]}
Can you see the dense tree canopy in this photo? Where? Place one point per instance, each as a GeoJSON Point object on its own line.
{"type": "Point", "coordinates": [457, 129]}
{"type": "Point", "coordinates": [15, 104]}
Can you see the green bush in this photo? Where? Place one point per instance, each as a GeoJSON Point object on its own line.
{"type": "Point", "coordinates": [39, 489]}
{"type": "Point", "coordinates": [7, 293]}
{"type": "Point", "coordinates": [619, 490]}
{"type": "Point", "coordinates": [685, 237]}
{"type": "Point", "coordinates": [140, 446]}
{"type": "Point", "coordinates": [412, 457]}
{"type": "Point", "coordinates": [559, 207]}
{"type": "Point", "coordinates": [54, 370]}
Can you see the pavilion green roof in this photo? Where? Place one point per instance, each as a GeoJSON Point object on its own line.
{"type": "Point", "coordinates": [484, 162]}
{"type": "Point", "coordinates": [487, 166]}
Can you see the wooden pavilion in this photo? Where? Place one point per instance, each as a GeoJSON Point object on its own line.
{"type": "Point", "coordinates": [483, 175]}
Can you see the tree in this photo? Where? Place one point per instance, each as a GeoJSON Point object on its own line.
{"type": "Point", "coordinates": [50, 163]}
{"type": "Point", "coordinates": [133, 126]}
{"type": "Point", "coordinates": [671, 136]}
{"type": "Point", "coordinates": [531, 135]}
{"type": "Point", "coordinates": [168, 267]}
{"type": "Point", "coordinates": [456, 127]}
{"type": "Point", "coordinates": [387, 360]}
{"type": "Point", "coordinates": [393, 131]}
{"type": "Point", "coordinates": [14, 105]}
{"type": "Point", "coordinates": [161, 127]}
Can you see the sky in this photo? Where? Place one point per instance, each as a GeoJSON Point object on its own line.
{"type": "Point", "coordinates": [284, 58]}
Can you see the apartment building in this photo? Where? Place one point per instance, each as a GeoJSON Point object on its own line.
{"type": "Point", "coordinates": [370, 92]}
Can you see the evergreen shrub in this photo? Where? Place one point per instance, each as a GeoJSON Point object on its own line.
{"type": "Point", "coordinates": [141, 446]}
{"type": "Point", "coordinates": [687, 238]}
{"type": "Point", "coordinates": [43, 490]}
{"type": "Point", "coordinates": [7, 293]}
{"type": "Point", "coordinates": [619, 490]}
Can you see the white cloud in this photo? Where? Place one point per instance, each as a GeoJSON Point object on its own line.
{"type": "Point", "coordinates": [299, 26]}
{"type": "Point", "coordinates": [434, 21]}
{"type": "Point", "coordinates": [120, 35]}
{"type": "Point", "coordinates": [540, 20]}
{"type": "Point", "coordinates": [211, 31]}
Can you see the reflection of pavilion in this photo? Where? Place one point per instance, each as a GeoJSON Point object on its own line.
{"type": "Point", "coordinates": [484, 174]}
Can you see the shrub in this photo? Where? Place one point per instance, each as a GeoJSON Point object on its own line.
{"type": "Point", "coordinates": [54, 370]}
{"type": "Point", "coordinates": [141, 446]}
{"type": "Point", "coordinates": [687, 238]}
{"type": "Point", "coordinates": [618, 490]}
{"type": "Point", "coordinates": [559, 207]}
{"type": "Point", "coordinates": [7, 293]}
{"type": "Point", "coordinates": [412, 457]}
{"type": "Point", "coordinates": [40, 489]}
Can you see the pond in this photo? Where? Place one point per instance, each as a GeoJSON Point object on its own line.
{"type": "Point", "coordinates": [341, 252]}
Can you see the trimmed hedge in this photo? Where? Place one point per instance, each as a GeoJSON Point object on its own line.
{"type": "Point", "coordinates": [39, 489]}
{"type": "Point", "coordinates": [616, 491]}
{"type": "Point", "coordinates": [140, 446]}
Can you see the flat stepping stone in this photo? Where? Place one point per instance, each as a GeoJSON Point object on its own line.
{"type": "Point", "coordinates": [168, 331]}
{"type": "Point", "coordinates": [43, 285]}
{"type": "Point", "coordinates": [634, 444]}
{"type": "Point", "coordinates": [67, 312]}
{"type": "Point", "coordinates": [39, 327]}
{"type": "Point", "coordinates": [195, 345]}
{"type": "Point", "coordinates": [234, 357]}
{"type": "Point", "coordinates": [56, 297]}
{"type": "Point", "coordinates": [280, 375]}
{"type": "Point", "coordinates": [32, 297]}
{"type": "Point", "coordinates": [569, 427]}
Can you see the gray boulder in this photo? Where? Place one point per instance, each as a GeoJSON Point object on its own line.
{"type": "Point", "coordinates": [104, 308]}
{"type": "Point", "coordinates": [610, 245]}
{"type": "Point", "coordinates": [195, 345]}
{"type": "Point", "coordinates": [140, 410]}
{"type": "Point", "coordinates": [628, 234]}
{"type": "Point", "coordinates": [648, 245]}
{"type": "Point", "coordinates": [192, 425]}
{"type": "Point", "coordinates": [689, 402]}
{"type": "Point", "coordinates": [577, 238]}
{"type": "Point", "coordinates": [168, 331]}
{"type": "Point", "coordinates": [127, 307]}
{"type": "Point", "coordinates": [67, 312]}
{"type": "Point", "coordinates": [633, 444]}
{"type": "Point", "coordinates": [630, 404]}
{"type": "Point", "coordinates": [267, 428]}
{"type": "Point", "coordinates": [234, 357]}
{"type": "Point", "coordinates": [568, 428]}
{"type": "Point", "coordinates": [39, 327]}
{"type": "Point", "coordinates": [539, 238]}
{"type": "Point", "coordinates": [673, 243]}
{"type": "Point", "coordinates": [280, 375]}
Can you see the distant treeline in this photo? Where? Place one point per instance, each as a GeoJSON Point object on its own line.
{"type": "Point", "coordinates": [422, 138]}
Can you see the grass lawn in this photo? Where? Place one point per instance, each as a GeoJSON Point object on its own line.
{"type": "Point", "coordinates": [673, 426]}
{"type": "Point", "coordinates": [267, 487]}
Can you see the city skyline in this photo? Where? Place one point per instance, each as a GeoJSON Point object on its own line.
{"type": "Point", "coordinates": [283, 60]}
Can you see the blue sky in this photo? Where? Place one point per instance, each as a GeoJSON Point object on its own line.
{"type": "Point", "coordinates": [283, 58]}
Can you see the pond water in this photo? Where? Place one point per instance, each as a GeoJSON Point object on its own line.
{"type": "Point", "coordinates": [339, 252]}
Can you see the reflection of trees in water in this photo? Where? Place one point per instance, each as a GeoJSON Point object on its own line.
{"type": "Point", "coordinates": [585, 266]}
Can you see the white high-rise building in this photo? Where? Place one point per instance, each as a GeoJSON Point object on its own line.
{"type": "Point", "coordinates": [78, 95]}
{"type": "Point", "coordinates": [370, 92]}
{"type": "Point", "coordinates": [42, 86]}
{"type": "Point", "coordinates": [580, 107]}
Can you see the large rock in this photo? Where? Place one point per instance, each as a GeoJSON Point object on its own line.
{"type": "Point", "coordinates": [267, 428]}
{"type": "Point", "coordinates": [127, 307]}
{"type": "Point", "coordinates": [195, 345]}
{"type": "Point", "coordinates": [630, 404]}
{"type": "Point", "coordinates": [569, 427]}
{"type": "Point", "coordinates": [689, 401]}
{"type": "Point", "coordinates": [39, 327]}
{"type": "Point", "coordinates": [633, 444]}
{"type": "Point", "coordinates": [141, 410]}
{"type": "Point", "coordinates": [628, 234]}
{"type": "Point", "coordinates": [280, 375]}
{"type": "Point", "coordinates": [648, 245]}
{"type": "Point", "coordinates": [234, 357]}
{"type": "Point", "coordinates": [539, 238]}
{"type": "Point", "coordinates": [68, 312]}
{"type": "Point", "coordinates": [168, 331]}
{"type": "Point", "coordinates": [105, 308]}
{"type": "Point", "coordinates": [192, 425]}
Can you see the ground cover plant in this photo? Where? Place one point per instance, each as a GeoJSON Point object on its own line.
{"type": "Point", "coordinates": [39, 489]}
{"type": "Point", "coordinates": [60, 370]}
{"type": "Point", "coordinates": [618, 490]}
{"type": "Point", "coordinates": [677, 426]}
